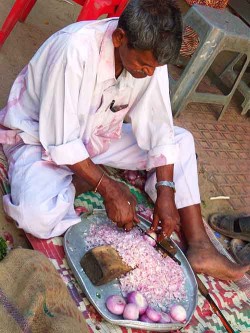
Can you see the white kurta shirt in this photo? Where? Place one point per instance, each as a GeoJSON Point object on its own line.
{"type": "Point", "coordinates": [62, 100]}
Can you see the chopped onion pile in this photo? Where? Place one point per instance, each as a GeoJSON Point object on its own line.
{"type": "Point", "coordinates": [150, 237]}
{"type": "Point", "coordinates": [158, 278]}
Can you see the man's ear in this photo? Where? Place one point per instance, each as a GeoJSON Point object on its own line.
{"type": "Point", "coordinates": [118, 37]}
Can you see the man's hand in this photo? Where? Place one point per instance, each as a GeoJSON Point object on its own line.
{"type": "Point", "coordinates": [120, 205]}
{"type": "Point", "coordinates": [119, 202]}
{"type": "Point", "coordinates": [165, 214]}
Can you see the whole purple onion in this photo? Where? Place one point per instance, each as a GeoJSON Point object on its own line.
{"type": "Point", "coordinates": [178, 313]}
{"type": "Point", "coordinates": [137, 298]}
{"type": "Point", "coordinates": [115, 304]}
{"type": "Point", "coordinates": [153, 314]}
{"type": "Point", "coordinates": [131, 312]}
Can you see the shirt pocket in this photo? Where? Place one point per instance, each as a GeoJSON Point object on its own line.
{"type": "Point", "coordinates": [108, 124]}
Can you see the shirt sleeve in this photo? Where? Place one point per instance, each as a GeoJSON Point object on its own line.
{"type": "Point", "coordinates": [59, 128]}
{"type": "Point", "coordinates": [152, 121]}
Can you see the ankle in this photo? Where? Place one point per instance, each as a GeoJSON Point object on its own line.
{"type": "Point", "coordinates": [199, 243]}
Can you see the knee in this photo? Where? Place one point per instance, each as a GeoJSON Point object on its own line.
{"type": "Point", "coordinates": [41, 215]}
{"type": "Point", "coordinates": [35, 221]}
{"type": "Point", "coordinates": [32, 218]}
{"type": "Point", "coordinates": [187, 142]}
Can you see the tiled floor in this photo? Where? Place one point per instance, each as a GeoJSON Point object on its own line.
{"type": "Point", "coordinates": [223, 147]}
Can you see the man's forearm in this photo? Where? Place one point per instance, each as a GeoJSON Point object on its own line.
{"type": "Point", "coordinates": [165, 172]}
{"type": "Point", "coordinates": [119, 203]}
{"type": "Point", "coordinates": [91, 173]}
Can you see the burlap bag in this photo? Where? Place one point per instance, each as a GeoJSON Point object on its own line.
{"type": "Point", "coordinates": [33, 297]}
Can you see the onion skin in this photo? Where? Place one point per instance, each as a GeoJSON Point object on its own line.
{"type": "Point", "coordinates": [145, 319]}
{"type": "Point", "coordinates": [153, 315]}
{"type": "Point", "coordinates": [178, 313]}
{"type": "Point", "coordinates": [131, 312]}
{"type": "Point", "coordinates": [152, 239]}
{"type": "Point", "coordinates": [165, 318]}
{"type": "Point", "coordinates": [137, 298]}
{"type": "Point", "coordinates": [115, 304]}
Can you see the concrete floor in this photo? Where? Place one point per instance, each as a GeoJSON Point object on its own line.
{"type": "Point", "coordinates": [223, 147]}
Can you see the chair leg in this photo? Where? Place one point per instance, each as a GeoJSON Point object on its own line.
{"type": "Point", "coordinates": [245, 105]}
{"type": "Point", "coordinates": [234, 87]}
{"type": "Point", "coordinates": [121, 7]}
{"type": "Point", "coordinates": [11, 20]}
{"type": "Point", "coordinates": [92, 9]}
{"type": "Point", "coordinates": [230, 67]}
{"type": "Point", "coordinates": [193, 74]}
{"type": "Point", "coordinates": [30, 4]}
{"type": "Point", "coordinates": [230, 75]}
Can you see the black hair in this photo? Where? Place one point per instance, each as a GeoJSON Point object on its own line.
{"type": "Point", "coordinates": [154, 25]}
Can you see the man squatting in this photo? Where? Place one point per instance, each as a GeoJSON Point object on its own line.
{"type": "Point", "coordinates": [97, 93]}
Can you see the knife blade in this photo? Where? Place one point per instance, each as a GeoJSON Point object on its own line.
{"type": "Point", "coordinates": [159, 245]}
{"type": "Point", "coordinates": [204, 291]}
{"type": "Point", "coordinates": [167, 243]}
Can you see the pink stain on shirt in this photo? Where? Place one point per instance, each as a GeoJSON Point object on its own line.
{"type": "Point", "coordinates": [142, 165]}
{"type": "Point", "coordinates": [21, 74]}
{"type": "Point", "coordinates": [9, 136]}
{"type": "Point", "coordinates": [15, 101]}
{"type": "Point", "coordinates": [103, 134]}
{"type": "Point", "coordinates": [112, 131]}
{"type": "Point", "coordinates": [156, 161]}
{"type": "Point", "coordinates": [98, 146]}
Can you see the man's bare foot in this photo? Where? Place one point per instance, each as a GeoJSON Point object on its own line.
{"type": "Point", "coordinates": [204, 258]}
{"type": "Point", "coordinates": [81, 185]}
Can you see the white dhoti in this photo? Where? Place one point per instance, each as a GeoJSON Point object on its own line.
{"type": "Point", "coordinates": [42, 194]}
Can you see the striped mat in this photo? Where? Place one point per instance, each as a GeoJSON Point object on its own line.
{"type": "Point", "coordinates": [232, 298]}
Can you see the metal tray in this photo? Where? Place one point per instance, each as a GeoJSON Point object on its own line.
{"type": "Point", "coordinates": [74, 246]}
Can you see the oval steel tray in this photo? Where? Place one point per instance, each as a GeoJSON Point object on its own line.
{"type": "Point", "coordinates": [75, 248]}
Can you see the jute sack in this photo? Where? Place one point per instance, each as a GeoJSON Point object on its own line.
{"type": "Point", "coordinates": [33, 297]}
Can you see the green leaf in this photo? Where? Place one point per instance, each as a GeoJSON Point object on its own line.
{"type": "Point", "coordinates": [3, 248]}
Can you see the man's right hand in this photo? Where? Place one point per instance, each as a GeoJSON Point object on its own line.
{"type": "Point", "coordinates": [120, 205]}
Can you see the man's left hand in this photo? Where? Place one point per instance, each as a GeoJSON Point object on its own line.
{"type": "Point", "coordinates": [165, 214]}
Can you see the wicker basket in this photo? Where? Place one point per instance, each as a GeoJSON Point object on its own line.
{"type": "Point", "coordinates": [219, 4]}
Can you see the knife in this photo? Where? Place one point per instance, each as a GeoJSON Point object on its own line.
{"type": "Point", "coordinates": [204, 291]}
{"type": "Point", "coordinates": [159, 245]}
{"type": "Point", "coordinates": [166, 244]}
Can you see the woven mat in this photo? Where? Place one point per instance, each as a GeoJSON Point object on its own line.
{"type": "Point", "coordinates": [232, 298]}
